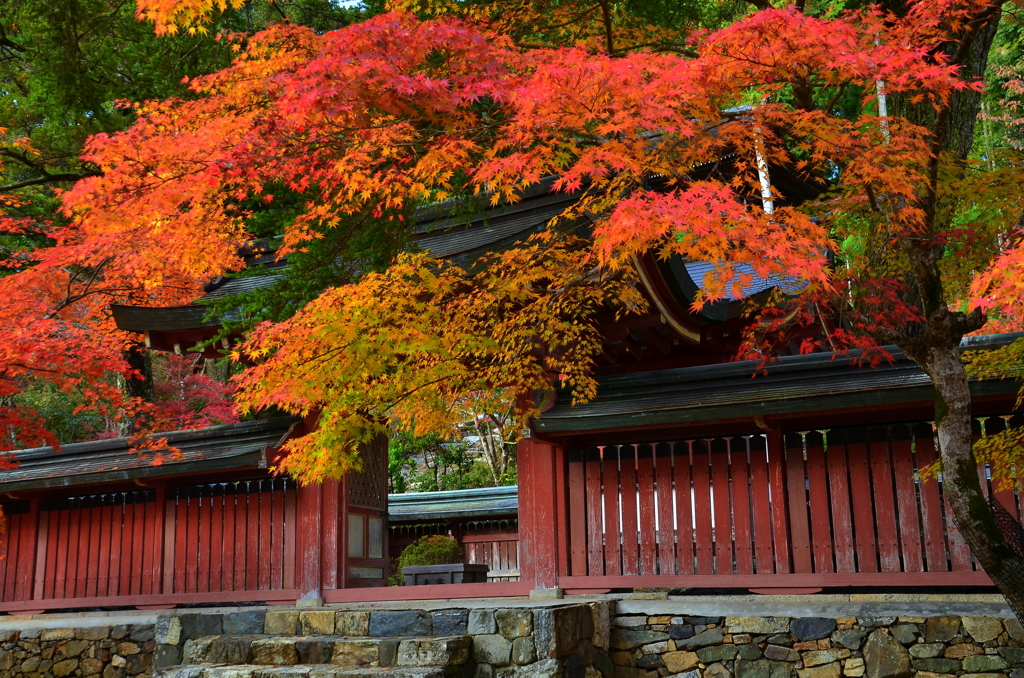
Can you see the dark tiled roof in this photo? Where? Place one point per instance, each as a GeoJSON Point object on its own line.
{"type": "Point", "coordinates": [487, 501]}
{"type": "Point", "coordinates": [803, 383]}
{"type": "Point", "coordinates": [231, 446]}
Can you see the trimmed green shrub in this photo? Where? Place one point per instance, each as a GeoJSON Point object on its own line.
{"type": "Point", "coordinates": [433, 549]}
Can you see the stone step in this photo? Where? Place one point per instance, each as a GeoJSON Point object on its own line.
{"type": "Point", "coordinates": [338, 651]}
{"type": "Point", "coordinates": [208, 670]}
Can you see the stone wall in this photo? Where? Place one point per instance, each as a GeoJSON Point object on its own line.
{"type": "Point", "coordinates": [815, 647]}
{"type": "Point", "coordinates": [500, 642]}
{"type": "Point", "coordinates": [101, 651]}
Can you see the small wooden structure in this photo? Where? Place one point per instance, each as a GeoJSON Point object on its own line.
{"type": "Point", "coordinates": [484, 521]}
{"type": "Point", "coordinates": [96, 524]}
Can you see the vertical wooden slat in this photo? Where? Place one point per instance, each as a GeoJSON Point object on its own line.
{"type": "Point", "coordinates": [931, 500]}
{"type": "Point", "coordinates": [761, 505]}
{"type": "Point", "coordinates": [777, 485]}
{"type": "Point", "coordinates": [216, 582]}
{"type": "Point", "coordinates": [243, 538]}
{"type": "Point", "coordinates": [885, 505]}
{"type": "Point", "coordinates": [560, 480]}
{"type": "Point", "coordinates": [95, 525]}
{"type": "Point", "coordinates": [817, 490]}
{"type": "Point", "coordinates": [116, 527]}
{"type": "Point", "coordinates": [138, 538]}
{"type": "Point", "coordinates": [612, 542]}
{"type": "Point", "coordinates": [228, 550]}
{"type": "Point", "coordinates": [205, 547]}
{"type": "Point", "coordinates": [277, 537]}
{"type": "Point", "coordinates": [796, 486]}
{"type": "Point", "coordinates": [721, 510]}
{"type": "Point", "coordinates": [839, 490]}
{"type": "Point", "coordinates": [577, 514]}
{"type": "Point", "coordinates": [666, 522]}
{"type": "Point", "coordinates": [594, 511]}
{"type": "Point", "coordinates": [28, 532]}
{"type": "Point", "coordinates": [704, 539]}
{"type": "Point", "coordinates": [252, 533]}
{"type": "Point", "coordinates": [630, 546]}
{"type": "Point", "coordinates": [155, 511]}
{"type": "Point", "coordinates": [860, 488]}
{"type": "Point", "coordinates": [105, 554]}
{"type": "Point", "coordinates": [684, 509]}
{"type": "Point", "coordinates": [645, 496]}
{"type": "Point", "coordinates": [181, 537]}
{"type": "Point", "coordinates": [74, 564]}
{"type": "Point", "coordinates": [266, 556]}
{"type": "Point", "coordinates": [906, 499]}
{"type": "Point", "coordinates": [170, 542]}
{"type": "Point", "coordinates": [289, 531]}
{"type": "Point", "coordinates": [53, 534]}
{"type": "Point", "coordinates": [739, 482]}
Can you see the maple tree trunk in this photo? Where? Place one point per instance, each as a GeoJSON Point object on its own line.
{"type": "Point", "coordinates": [961, 482]}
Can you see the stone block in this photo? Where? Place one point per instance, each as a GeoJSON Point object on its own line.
{"type": "Point", "coordinates": [853, 667]}
{"type": "Point", "coordinates": [905, 633]}
{"type": "Point", "coordinates": [388, 652]}
{"type": "Point", "coordinates": [126, 648]}
{"type": "Point", "coordinates": [352, 623]}
{"type": "Point", "coordinates": [812, 628]}
{"type": "Point", "coordinates": [64, 668]}
{"type": "Point", "coordinates": [483, 671]}
{"type": "Point", "coordinates": [650, 662]}
{"type": "Point", "coordinates": [820, 657]}
{"type": "Point", "coordinates": [482, 622]}
{"type": "Point", "coordinates": [717, 653]}
{"type": "Point", "coordinates": [681, 631]}
{"type": "Point", "coordinates": [760, 668]}
{"type": "Point", "coordinates": [633, 672]}
{"type": "Point", "coordinates": [138, 663]}
{"type": "Point", "coordinates": [141, 632]}
{"type": "Point", "coordinates": [514, 622]}
{"type": "Point", "coordinates": [929, 674]}
{"type": "Point", "coordinates": [630, 621]}
{"type": "Point", "coordinates": [57, 634]}
{"type": "Point", "coordinates": [655, 648]}
{"type": "Point", "coordinates": [524, 651]}
{"type": "Point", "coordinates": [983, 629]}
{"type": "Point", "coordinates": [316, 622]}
{"type": "Point", "coordinates": [450, 622]}
{"type": "Point", "coordinates": [601, 615]}
{"type": "Point", "coordinates": [73, 648]}
{"type": "Point", "coordinates": [434, 651]}
{"type": "Point", "coordinates": [717, 671]}
{"type": "Point", "coordinates": [937, 665]}
{"type": "Point", "coordinates": [30, 665]}
{"type": "Point", "coordinates": [492, 649]}
{"type": "Point", "coordinates": [217, 650]}
{"type": "Point", "coordinates": [313, 651]}
{"type": "Point", "coordinates": [353, 653]}
{"type": "Point", "coordinates": [926, 650]}
{"type": "Point", "coordinates": [941, 629]}
{"type": "Point", "coordinates": [680, 661]}
{"type": "Point", "coordinates": [244, 623]}
{"type": "Point", "coordinates": [90, 667]}
{"type": "Point", "coordinates": [559, 630]}
{"type": "Point", "coordinates": [785, 639]}
{"type": "Point", "coordinates": [749, 651]}
{"type": "Point", "coordinates": [1014, 655]}
{"type": "Point", "coordinates": [824, 671]}
{"type": "Point", "coordinates": [1014, 629]}
{"type": "Point", "coordinates": [392, 623]}
{"type": "Point", "coordinates": [688, 674]}
{"type": "Point", "coordinates": [984, 664]}
{"type": "Point", "coordinates": [702, 639]}
{"type": "Point", "coordinates": [281, 623]}
{"type": "Point", "coordinates": [627, 639]}
{"type": "Point", "coordinates": [93, 633]}
{"type": "Point", "coordinates": [198, 625]}
{"type": "Point", "coordinates": [273, 650]}
{"type": "Point", "coordinates": [781, 654]}
{"type": "Point", "coordinates": [982, 675]}
{"type": "Point", "coordinates": [885, 657]}
{"type": "Point", "coordinates": [168, 630]}
{"type": "Point", "coordinates": [758, 625]}
{"type": "Point", "coordinates": [165, 656]}
{"type": "Point", "coordinates": [875, 622]}
{"type": "Point", "coordinates": [961, 650]}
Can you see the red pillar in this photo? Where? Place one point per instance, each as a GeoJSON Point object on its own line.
{"type": "Point", "coordinates": [542, 526]}
{"type": "Point", "coordinates": [308, 565]}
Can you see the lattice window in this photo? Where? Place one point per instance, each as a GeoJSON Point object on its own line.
{"type": "Point", "coordinates": [369, 487]}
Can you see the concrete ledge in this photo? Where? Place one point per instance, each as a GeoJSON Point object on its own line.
{"type": "Point", "coordinates": [818, 605]}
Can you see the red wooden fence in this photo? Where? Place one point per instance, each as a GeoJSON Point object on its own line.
{"type": "Point", "coordinates": [224, 541]}
{"type": "Point", "coordinates": [826, 508]}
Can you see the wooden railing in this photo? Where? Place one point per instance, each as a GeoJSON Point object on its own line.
{"type": "Point", "coordinates": [838, 507]}
{"type": "Point", "coordinates": [208, 543]}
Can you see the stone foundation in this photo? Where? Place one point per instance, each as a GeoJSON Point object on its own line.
{"type": "Point", "coordinates": [658, 646]}
{"type": "Point", "coordinates": [101, 651]}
